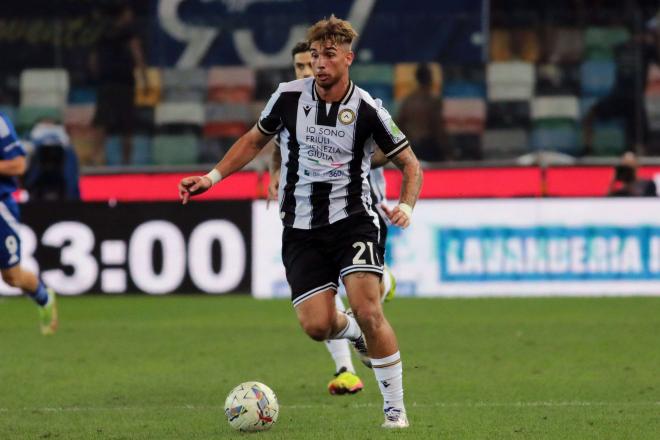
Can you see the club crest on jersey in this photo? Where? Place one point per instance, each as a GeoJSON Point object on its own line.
{"type": "Point", "coordinates": [346, 116]}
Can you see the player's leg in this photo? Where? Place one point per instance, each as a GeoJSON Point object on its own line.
{"type": "Point", "coordinates": [32, 286]}
{"type": "Point", "coordinates": [345, 380]}
{"type": "Point", "coordinates": [15, 276]}
{"type": "Point", "coordinates": [361, 269]}
{"type": "Point", "coordinates": [313, 280]}
{"type": "Point", "coordinates": [364, 296]}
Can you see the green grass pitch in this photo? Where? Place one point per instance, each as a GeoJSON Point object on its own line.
{"type": "Point", "coordinates": [137, 367]}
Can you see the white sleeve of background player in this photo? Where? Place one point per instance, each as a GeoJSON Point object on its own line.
{"type": "Point", "coordinates": [10, 145]}
{"type": "Point", "coordinates": [387, 135]}
{"type": "Point", "coordinates": [270, 121]}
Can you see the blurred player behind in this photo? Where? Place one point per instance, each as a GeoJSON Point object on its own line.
{"type": "Point", "coordinates": [12, 165]}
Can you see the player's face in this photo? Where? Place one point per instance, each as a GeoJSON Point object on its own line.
{"type": "Point", "coordinates": [302, 63]}
{"type": "Point", "coordinates": [330, 62]}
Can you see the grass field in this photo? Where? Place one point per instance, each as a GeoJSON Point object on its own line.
{"type": "Point", "coordinates": [159, 368]}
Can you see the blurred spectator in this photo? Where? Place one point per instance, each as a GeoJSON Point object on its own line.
{"type": "Point", "coordinates": [626, 100]}
{"type": "Point", "coordinates": [420, 117]}
{"type": "Point", "coordinates": [117, 55]}
{"type": "Point", "coordinates": [52, 173]}
{"type": "Point", "coordinates": [625, 182]}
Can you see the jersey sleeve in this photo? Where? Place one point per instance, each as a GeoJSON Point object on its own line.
{"type": "Point", "coordinates": [10, 145]}
{"type": "Point", "coordinates": [270, 121]}
{"type": "Point", "coordinates": [386, 133]}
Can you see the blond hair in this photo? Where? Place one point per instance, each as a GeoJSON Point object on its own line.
{"type": "Point", "coordinates": [332, 29]}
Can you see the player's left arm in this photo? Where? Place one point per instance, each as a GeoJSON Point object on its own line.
{"type": "Point", "coordinates": [411, 185]}
{"type": "Point", "coordinates": [13, 167]}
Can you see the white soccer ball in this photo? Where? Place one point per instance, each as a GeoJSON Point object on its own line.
{"type": "Point", "coordinates": [251, 406]}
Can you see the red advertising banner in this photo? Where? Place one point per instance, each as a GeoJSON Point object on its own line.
{"type": "Point", "coordinates": [438, 183]}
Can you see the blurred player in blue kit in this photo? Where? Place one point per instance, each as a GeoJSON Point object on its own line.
{"type": "Point", "coordinates": [12, 165]}
{"type": "Point", "coordinates": [345, 380]}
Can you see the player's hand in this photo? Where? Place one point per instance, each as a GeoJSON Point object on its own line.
{"type": "Point", "coordinates": [192, 186]}
{"type": "Point", "coordinates": [397, 216]}
{"type": "Point", "coordinates": [273, 187]}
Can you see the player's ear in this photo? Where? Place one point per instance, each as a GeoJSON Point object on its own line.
{"type": "Point", "coordinates": [350, 56]}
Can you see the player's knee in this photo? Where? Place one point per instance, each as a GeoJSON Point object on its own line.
{"type": "Point", "coordinates": [12, 278]}
{"type": "Point", "coordinates": [317, 330]}
{"type": "Point", "coordinates": [369, 317]}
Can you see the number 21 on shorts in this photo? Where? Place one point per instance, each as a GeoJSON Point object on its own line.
{"type": "Point", "coordinates": [361, 247]}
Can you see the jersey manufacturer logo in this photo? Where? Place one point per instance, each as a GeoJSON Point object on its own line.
{"type": "Point", "coordinates": [346, 116]}
{"type": "Point", "coordinates": [306, 109]}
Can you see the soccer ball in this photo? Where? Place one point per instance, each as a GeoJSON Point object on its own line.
{"type": "Point", "coordinates": [251, 406]}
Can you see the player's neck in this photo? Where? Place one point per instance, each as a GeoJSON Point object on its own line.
{"type": "Point", "coordinates": [334, 93]}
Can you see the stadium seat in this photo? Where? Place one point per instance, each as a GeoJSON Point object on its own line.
{"type": "Point", "coordinates": [189, 113]}
{"type": "Point", "coordinates": [82, 95]}
{"type": "Point", "coordinates": [44, 87]}
{"type": "Point", "coordinates": [405, 82]}
{"type": "Point", "coordinates": [464, 116]}
{"type": "Point", "coordinates": [79, 115]}
{"type": "Point", "coordinates": [463, 89]}
{"type": "Point", "coordinates": [556, 79]}
{"type": "Point", "coordinates": [27, 116]}
{"type": "Point", "coordinates": [175, 149]}
{"type": "Point", "coordinates": [465, 146]}
{"type": "Point", "coordinates": [508, 114]}
{"type": "Point", "coordinates": [504, 143]}
{"type": "Point", "coordinates": [609, 138]}
{"type": "Point", "coordinates": [600, 41]}
{"type": "Point", "coordinates": [556, 135]}
{"type": "Point", "coordinates": [377, 79]}
{"type": "Point", "coordinates": [231, 84]}
{"type": "Point", "coordinates": [500, 45]}
{"type": "Point", "coordinates": [565, 45]}
{"type": "Point", "coordinates": [148, 97]}
{"type": "Point", "coordinates": [555, 107]}
{"type": "Point", "coordinates": [227, 120]}
{"type": "Point", "coordinates": [184, 85]}
{"type": "Point", "coordinates": [267, 80]}
{"type": "Point", "coordinates": [652, 105]}
{"type": "Point", "coordinates": [510, 81]}
{"type": "Point", "coordinates": [140, 155]}
{"type": "Point", "coordinates": [374, 73]}
{"type": "Point", "coordinates": [514, 44]}
{"type": "Point", "coordinates": [597, 77]}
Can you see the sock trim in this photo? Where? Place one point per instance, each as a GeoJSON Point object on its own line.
{"type": "Point", "coordinates": [390, 364]}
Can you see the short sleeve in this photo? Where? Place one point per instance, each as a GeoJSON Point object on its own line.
{"type": "Point", "coordinates": [387, 135]}
{"type": "Point", "coordinates": [10, 145]}
{"type": "Point", "coordinates": [270, 121]}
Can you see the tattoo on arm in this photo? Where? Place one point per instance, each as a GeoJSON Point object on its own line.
{"type": "Point", "coordinates": [411, 185]}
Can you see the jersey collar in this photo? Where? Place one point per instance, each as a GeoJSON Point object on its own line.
{"type": "Point", "coordinates": [344, 99]}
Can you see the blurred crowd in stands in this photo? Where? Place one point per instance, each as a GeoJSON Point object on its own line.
{"type": "Point", "coordinates": [574, 77]}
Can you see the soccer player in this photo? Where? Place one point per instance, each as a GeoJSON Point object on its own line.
{"type": "Point", "coordinates": [345, 380]}
{"type": "Point", "coordinates": [12, 164]}
{"type": "Point", "coordinates": [326, 126]}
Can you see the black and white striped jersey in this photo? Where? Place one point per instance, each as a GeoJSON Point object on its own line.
{"type": "Point", "coordinates": [326, 151]}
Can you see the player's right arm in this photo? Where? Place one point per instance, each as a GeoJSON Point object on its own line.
{"type": "Point", "coordinates": [240, 154]}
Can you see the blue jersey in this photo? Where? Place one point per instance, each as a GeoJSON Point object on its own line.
{"type": "Point", "coordinates": [10, 147]}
